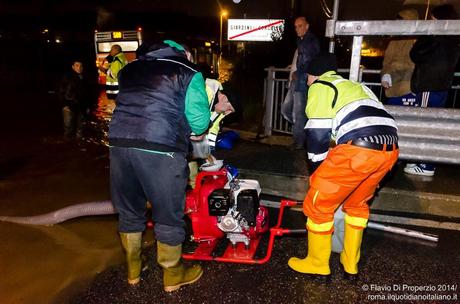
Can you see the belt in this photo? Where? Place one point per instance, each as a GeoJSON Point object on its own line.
{"type": "Point", "coordinates": [373, 146]}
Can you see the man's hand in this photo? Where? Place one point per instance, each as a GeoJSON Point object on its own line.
{"type": "Point", "coordinates": [223, 105]}
{"type": "Point", "coordinates": [103, 67]}
{"type": "Point", "coordinates": [386, 81]}
{"type": "Point", "coordinates": [197, 137]}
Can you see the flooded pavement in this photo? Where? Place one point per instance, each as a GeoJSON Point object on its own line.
{"type": "Point", "coordinates": [40, 173]}
{"type": "Point", "coordinates": [50, 264]}
{"type": "Point", "coordinates": [98, 123]}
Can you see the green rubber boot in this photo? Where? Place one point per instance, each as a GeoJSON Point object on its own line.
{"type": "Point", "coordinates": [132, 243]}
{"type": "Point", "coordinates": [175, 274]}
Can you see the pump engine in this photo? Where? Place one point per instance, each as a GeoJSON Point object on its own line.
{"type": "Point", "coordinates": [221, 207]}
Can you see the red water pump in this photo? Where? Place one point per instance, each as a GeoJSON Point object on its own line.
{"type": "Point", "coordinates": [222, 208]}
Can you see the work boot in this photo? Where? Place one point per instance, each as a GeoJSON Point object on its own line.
{"type": "Point", "coordinates": [193, 168]}
{"type": "Point", "coordinates": [349, 257]}
{"type": "Point", "coordinates": [317, 260]}
{"type": "Point", "coordinates": [132, 243]}
{"type": "Point", "coordinates": [175, 274]}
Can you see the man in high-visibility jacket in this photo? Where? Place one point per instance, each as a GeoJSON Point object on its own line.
{"type": "Point", "coordinates": [220, 106]}
{"type": "Point", "coordinates": [364, 149]}
{"type": "Point", "coordinates": [116, 61]}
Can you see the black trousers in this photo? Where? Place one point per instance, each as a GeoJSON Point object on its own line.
{"type": "Point", "coordinates": [138, 176]}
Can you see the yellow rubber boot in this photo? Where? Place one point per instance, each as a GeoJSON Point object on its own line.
{"type": "Point", "coordinates": [351, 250]}
{"type": "Point", "coordinates": [317, 260]}
{"type": "Point", "coordinates": [193, 172]}
{"type": "Point", "coordinates": [175, 274]}
{"type": "Point", "coordinates": [132, 243]}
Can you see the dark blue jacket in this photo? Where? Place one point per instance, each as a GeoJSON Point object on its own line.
{"type": "Point", "coordinates": [73, 91]}
{"type": "Point", "coordinates": [307, 48]}
{"type": "Point", "coordinates": [435, 58]}
{"type": "Point", "coordinates": [162, 100]}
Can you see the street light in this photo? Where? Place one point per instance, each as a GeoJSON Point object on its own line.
{"type": "Point", "coordinates": [222, 15]}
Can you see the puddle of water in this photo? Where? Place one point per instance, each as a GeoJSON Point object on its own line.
{"type": "Point", "coordinates": [41, 262]}
{"type": "Point", "coordinates": [97, 126]}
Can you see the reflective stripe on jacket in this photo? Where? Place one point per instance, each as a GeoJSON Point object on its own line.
{"type": "Point", "coordinates": [341, 110]}
{"type": "Point", "coordinates": [212, 87]}
{"type": "Point", "coordinates": [118, 63]}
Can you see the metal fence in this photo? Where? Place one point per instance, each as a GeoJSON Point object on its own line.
{"type": "Point", "coordinates": [426, 134]}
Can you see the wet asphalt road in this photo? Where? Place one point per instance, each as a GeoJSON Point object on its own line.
{"type": "Point", "coordinates": [391, 266]}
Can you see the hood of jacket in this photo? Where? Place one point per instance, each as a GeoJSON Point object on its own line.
{"type": "Point", "coordinates": [155, 50]}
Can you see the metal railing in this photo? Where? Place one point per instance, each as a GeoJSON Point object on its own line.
{"type": "Point", "coordinates": [425, 134]}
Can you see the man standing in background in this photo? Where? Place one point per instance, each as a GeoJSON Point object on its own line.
{"type": "Point", "coordinates": [73, 94]}
{"type": "Point", "coordinates": [435, 59]}
{"type": "Point", "coordinates": [398, 67]}
{"type": "Point", "coordinates": [116, 61]}
{"type": "Point", "coordinates": [307, 48]}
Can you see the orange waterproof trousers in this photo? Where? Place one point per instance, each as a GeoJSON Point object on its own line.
{"type": "Point", "coordinates": [349, 175]}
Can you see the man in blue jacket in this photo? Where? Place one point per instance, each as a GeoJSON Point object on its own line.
{"type": "Point", "coordinates": [162, 100]}
{"type": "Point", "coordinates": [435, 59]}
{"type": "Point", "coordinates": [307, 49]}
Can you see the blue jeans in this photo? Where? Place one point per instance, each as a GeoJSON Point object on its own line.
{"type": "Point", "coordinates": [293, 110]}
{"type": "Point", "coordinates": [138, 176]}
{"type": "Point", "coordinates": [300, 118]}
{"type": "Point", "coordinates": [73, 122]}
{"type": "Point", "coordinates": [288, 105]}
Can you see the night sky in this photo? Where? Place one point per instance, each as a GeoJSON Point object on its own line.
{"type": "Point", "coordinates": [252, 8]}
{"type": "Point", "coordinates": [196, 18]}
{"type": "Point", "coordinates": [73, 13]}
{"type": "Point", "coordinates": [74, 22]}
